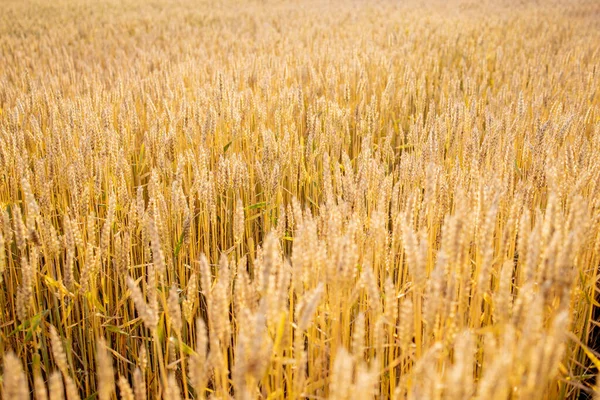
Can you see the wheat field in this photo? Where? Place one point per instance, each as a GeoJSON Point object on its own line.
{"type": "Point", "coordinates": [269, 199]}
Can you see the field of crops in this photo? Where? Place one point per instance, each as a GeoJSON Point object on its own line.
{"type": "Point", "coordinates": [269, 199]}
